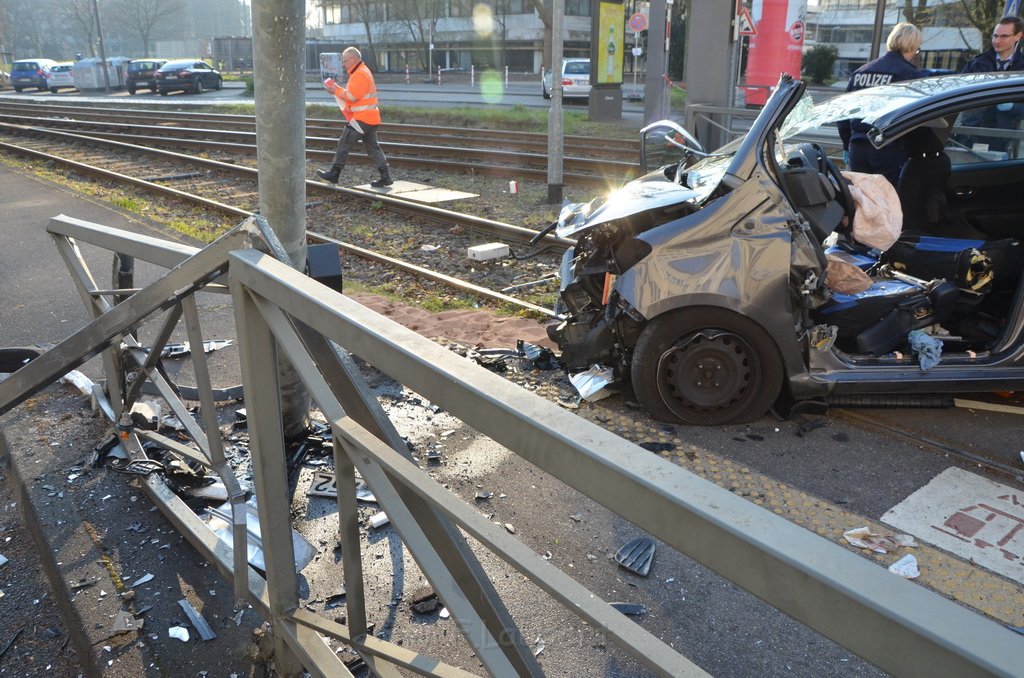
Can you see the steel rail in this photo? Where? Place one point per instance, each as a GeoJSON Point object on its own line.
{"type": "Point", "coordinates": [413, 269]}
{"type": "Point", "coordinates": [918, 440]}
{"type": "Point", "coordinates": [503, 138]}
{"type": "Point", "coordinates": [609, 171]}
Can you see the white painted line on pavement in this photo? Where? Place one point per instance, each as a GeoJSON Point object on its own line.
{"type": "Point", "coordinates": [970, 516]}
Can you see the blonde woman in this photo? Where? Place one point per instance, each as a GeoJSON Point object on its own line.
{"type": "Point", "coordinates": [904, 43]}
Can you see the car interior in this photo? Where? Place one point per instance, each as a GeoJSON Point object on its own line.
{"type": "Point", "coordinates": [955, 269]}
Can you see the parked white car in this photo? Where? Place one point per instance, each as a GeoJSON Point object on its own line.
{"type": "Point", "coordinates": [60, 77]}
{"type": "Point", "coordinates": [575, 79]}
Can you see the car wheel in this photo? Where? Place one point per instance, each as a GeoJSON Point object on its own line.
{"type": "Point", "coordinates": [199, 86]}
{"type": "Point", "coordinates": [163, 92]}
{"type": "Point", "coordinates": [131, 90]}
{"type": "Point", "coordinates": [53, 90]}
{"type": "Point", "coordinates": [705, 366]}
{"type": "Point", "coordinates": [17, 89]}
{"type": "Point", "coordinates": [220, 84]}
{"type": "Point", "coordinates": [544, 92]}
{"type": "Point", "coordinates": [43, 88]}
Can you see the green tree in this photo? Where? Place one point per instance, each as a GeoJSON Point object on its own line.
{"type": "Point", "coordinates": [983, 15]}
{"type": "Point", "coordinates": [818, 62]}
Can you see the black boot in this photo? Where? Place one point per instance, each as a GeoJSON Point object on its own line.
{"type": "Point", "coordinates": [330, 175]}
{"type": "Point", "coordinates": [385, 179]}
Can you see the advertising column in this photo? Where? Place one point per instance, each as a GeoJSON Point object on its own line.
{"type": "Point", "coordinates": [777, 47]}
{"type": "Point", "coordinates": [607, 28]}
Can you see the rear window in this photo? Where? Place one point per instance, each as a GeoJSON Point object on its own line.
{"type": "Point", "coordinates": [25, 66]}
{"type": "Point", "coordinates": [142, 66]}
{"type": "Point", "coordinates": [577, 68]}
{"type": "Point", "coordinates": [60, 69]}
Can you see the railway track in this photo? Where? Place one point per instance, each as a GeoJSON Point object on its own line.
{"type": "Point", "coordinates": [587, 162]}
{"type": "Point", "coordinates": [230, 189]}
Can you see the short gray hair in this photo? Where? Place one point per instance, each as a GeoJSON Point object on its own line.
{"type": "Point", "coordinates": [352, 50]}
{"type": "Point", "coordinates": [904, 38]}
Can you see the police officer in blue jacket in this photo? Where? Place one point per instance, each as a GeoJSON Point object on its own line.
{"type": "Point", "coordinates": [903, 44]}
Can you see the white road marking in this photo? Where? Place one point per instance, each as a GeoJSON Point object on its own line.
{"type": "Point", "coordinates": [970, 516]}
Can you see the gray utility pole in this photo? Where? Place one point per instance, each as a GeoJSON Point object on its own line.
{"type": "Point", "coordinates": [708, 77]}
{"type": "Point", "coordinates": [655, 86]}
{"type": "Point", "coordinates": [103, 52]}
{"type": "Point", "coordinates": [876, 34]}
{"type": "Point", "coordinates": [279, 74]}
{"type": "Point", "coordinates": [556, 129]}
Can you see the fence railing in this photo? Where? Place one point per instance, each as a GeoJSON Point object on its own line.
{"type": "Point", "coordinates": [898, 625]}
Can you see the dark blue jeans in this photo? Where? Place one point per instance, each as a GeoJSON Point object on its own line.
{"type": "Point", "coordinates": [888, 161]}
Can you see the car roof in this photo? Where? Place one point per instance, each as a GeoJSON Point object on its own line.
{"type": "Point", "coordinates": [182, 62]}
{"type": "Point", "coordinates": [893, 110]}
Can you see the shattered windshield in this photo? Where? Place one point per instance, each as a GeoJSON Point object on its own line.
{"type": "Point", "coordinates": [870, 104]}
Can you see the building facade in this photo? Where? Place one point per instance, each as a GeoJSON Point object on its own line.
{"type": "Point", "coordinates": [452, 34]}
{"type": "Point", "coordinates": [849, 24]}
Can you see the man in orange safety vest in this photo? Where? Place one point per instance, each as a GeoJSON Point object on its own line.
{"type": "Point", "coordinates": [358, 103]}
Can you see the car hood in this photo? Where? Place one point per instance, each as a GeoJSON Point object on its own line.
{"type": "Point", "coordinates": [639, 195]}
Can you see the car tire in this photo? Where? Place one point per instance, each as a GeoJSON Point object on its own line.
{"type": "Point", "coordinates": [131, 90]}
{"type": "Point", "coordinates": [17, 89]}
{"type": "Point", "coordinates": [706, 366]}
{"type": "Point", "coordinates": [42, 88]}
{"type": "Point", "coordinates": [220, 84]}
{"type": "Point", "coordinates": [199, 86]}
{"type": "Point", "coordinates": [163, 92]}
{"type": "Point", "coordinates": [544, 92]}
{"type": "Point", "coordinates": [53, 90]}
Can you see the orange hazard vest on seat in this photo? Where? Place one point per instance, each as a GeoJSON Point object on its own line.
{"type": "Point", "coordinates": [361, 100]}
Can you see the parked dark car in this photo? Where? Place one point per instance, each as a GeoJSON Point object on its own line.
{"type": "Point", "coordinates": [27, 73]}
{"type": "Point", "coordinates": [188, 75]}
{"type": "Point", "coordinates": [707, 285]}
{"type": "Point", "coordinates": [142, 74]}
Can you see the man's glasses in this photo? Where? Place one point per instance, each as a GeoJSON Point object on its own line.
{"type": "Point", "coordinates": [1003, 36]}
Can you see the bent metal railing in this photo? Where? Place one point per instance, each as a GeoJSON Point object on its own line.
{"type": "Point", "coordinates": [893, 623]}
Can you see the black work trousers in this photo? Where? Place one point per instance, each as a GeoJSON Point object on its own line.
{"type": "Point", "coordinates": [350, 135]}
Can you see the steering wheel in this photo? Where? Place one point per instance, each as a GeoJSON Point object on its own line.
{"type": "Point", "coordinates": [841, 184]}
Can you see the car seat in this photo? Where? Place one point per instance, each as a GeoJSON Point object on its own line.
{"type": "Point", "coordinates": [922, 182]}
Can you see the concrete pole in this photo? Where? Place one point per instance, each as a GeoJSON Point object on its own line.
{"type": "Point", "coordinates": [279, 75]}
{"type": "Point", "coordinates": [876, 34]}
{"type": "Point", "coordinates": [556, 127]}
{"type": "Point", "coordinates": [103, 51]}
{"type": "Point", "coordinates": [655, 91]}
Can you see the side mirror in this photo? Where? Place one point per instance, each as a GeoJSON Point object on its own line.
{"type": "Point", "coordinates": [665, 142]}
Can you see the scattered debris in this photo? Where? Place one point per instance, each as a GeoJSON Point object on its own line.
{"type": "Point", "coordinates": [483, 496]}
{"type": "Point", "coordinates": [3, 560]}
{"type": "Point", "coordinates": [220, 522]}
{"type": "Point", "coordinates": [577, 517]}
{"type": "Point", "coordinates": [124, 622]}
{"type": "Point", "coordinates": [215, 491]}
{"type": "Point", "coordinates": [637, 555]}
{"type": "Point", "coordinates": [10, 642]}
{"type": "Point", "coordinates": [906, 567]}
{"type": "Point", "coordinates": [179, 632]}
{"type": "Point", "coordinates": [83, 383]}
{"type": "Point", "coordinates": [198, 621]}
{"type": "Point", "coordinates": [444, 613]}
{"type": "Point", "coordinates": [424, 600]}
{"type": "Point", "coordinates": [177, 350]}
{"type": "Point", "coordinates": [510, 528]}
{"type": "Point", "coordinates": [433, 456]}
{"type": "Point", "coordinates": [879, 542]}
{"type": "Point", "coordinates": [657, 447]}
{"type": "Point", "coordinates": [335, 599]}
{"type": "Point", "coordinates": [379, 519]}
{"type": "Point", "coordinates": [82, 583]}
{"type": "Point", "coordinates": [632, 609]}
{"type": "Point", "coordinates": [238, 617]}
{"type": "Point", "coordinates": [593, 384]}
{"type": "Point", "coordinates": [144, 579]}
{"type": "Point", "coordinates": [146, 415]}
{"type": "Point", "coordinates": [322, 485]}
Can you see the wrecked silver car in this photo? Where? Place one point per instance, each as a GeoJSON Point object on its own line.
{"type": "Point", "coordinates": [709, 284]}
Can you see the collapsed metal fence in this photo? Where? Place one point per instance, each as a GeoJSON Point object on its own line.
{"type": "Point", "coordinates": [897, 625]}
